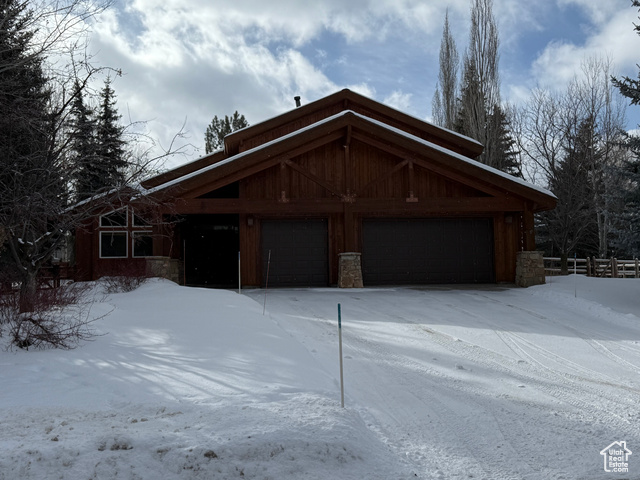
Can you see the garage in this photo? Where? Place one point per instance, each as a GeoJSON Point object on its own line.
{"type": "Point", "coordinates": [299, 256]}
{"type": "Point", "coordinates": [422, 251]}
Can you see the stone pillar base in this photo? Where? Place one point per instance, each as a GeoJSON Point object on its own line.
{"type": "Point", "coordinates": [350, 270]}
{"type": "Point", "coordinates": [163, 267]}
{"type": "Point", "coordinates": [529, 269]}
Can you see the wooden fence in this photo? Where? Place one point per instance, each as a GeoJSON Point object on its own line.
{"type": "Point", "coordinates": [595, 267]}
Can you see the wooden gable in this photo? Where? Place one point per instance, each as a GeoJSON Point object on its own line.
{"type": "Point", "coordinates": [348, 157]}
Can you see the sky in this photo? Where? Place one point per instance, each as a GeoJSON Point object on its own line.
{"type": "Point", "coordinates": [184, 61]}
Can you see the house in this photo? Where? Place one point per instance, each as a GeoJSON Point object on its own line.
{"type": "Point", "coordinates": [342, 174]}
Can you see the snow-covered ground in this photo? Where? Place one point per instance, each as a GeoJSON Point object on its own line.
{"type": "Point", "coordinates": [441, 383]}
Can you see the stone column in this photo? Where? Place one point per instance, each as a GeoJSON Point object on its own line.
{"type": "Point", "coordinates": [350, 270]}
{"type": "Point", "coordinates": [529, 269]}
{"type": "Point", "coordinates": [163, 267]}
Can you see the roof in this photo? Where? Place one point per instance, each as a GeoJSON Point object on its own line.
{"type": "Point", "coordinates": [221, 168]}
{"type": "Point", "coordinates": [347, 100]}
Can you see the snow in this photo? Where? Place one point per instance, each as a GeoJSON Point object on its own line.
{"type": "Point", "coordinates": [484, 382]}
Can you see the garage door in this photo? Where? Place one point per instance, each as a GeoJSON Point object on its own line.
{"type": "Point", "coordinates": [299, 254]}
{"type": "Point", "coordinates": [420, 251]}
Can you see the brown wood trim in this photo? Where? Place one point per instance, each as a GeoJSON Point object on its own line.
{"type": "Point", "coordinates": [348, 181]}
{"type": "Point", "coordinates": [439, 205]}
{"type": "Point", "coordinates": [410, 195]}
{"type": "Point", "coordinates": [350, 239]}
{"type": "Point", "coordinates": [284, 181]}
{"type": "Point", "coordinates": [394, 206]}
{"type": "Point", "coordinates": [255, 206]}
{"type": "Point", "coordinates": [529, 238]}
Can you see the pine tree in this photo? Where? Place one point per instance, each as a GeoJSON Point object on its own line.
{"type": "Point", "coordinates": [110, 154]}
{"type": "Point", "coordinates": [220, 128]}
{"type": "Point", "coordinates": [628, 223]}
{"type": "Point", "coordinates": [506, 152]}
{"type": "Point", "coordinates": [629, 87]}
{"type": "Point", "coordinates": [570, 226]}
{"type": "Point", "coordinates": [31, 179]}
{"type": "Point", "coordinates": [87, 179]}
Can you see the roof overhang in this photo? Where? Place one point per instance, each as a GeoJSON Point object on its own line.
{"type": "Point", "coordinates": [214, 172]}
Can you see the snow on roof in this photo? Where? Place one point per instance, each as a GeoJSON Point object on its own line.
{"type": "Point", "coordinates": [395, 130]}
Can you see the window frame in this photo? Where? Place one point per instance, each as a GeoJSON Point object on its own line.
{"type": "Point", "coordinates": [146, 233]}
{"type": "Point", "coordinates": [114, 232]}
{"type": "Point", "coordinates": [133, 220]}
{"type": "Point", "coordinates": [126, 218]}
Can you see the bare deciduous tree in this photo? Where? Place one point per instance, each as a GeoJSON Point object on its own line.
{"type": "Point", "coordinates": [575, 136]}
{"type": "Point", "coordinates": [445, 99]}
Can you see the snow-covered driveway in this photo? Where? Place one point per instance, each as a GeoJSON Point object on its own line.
{"type": "Point", "coordinates": [480, 382]}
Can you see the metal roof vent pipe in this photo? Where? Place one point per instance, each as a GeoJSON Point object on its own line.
{"type": "Point", "coordinates": [297, 99]}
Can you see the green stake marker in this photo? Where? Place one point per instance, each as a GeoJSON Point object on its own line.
{"type": "Point", "coordinates": [340, 348]}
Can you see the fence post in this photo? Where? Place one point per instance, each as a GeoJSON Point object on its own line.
{"type": "Point", "coordinates": [614, 267]}
{"type": "Point", "coordinates": [588, 267]}
{"type": "Point", "coordinates": [595, 260]}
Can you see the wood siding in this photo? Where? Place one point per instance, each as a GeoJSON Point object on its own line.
{"type": "Point", "coordinates": [347, 187]}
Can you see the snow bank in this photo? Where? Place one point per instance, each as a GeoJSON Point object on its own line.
{"type": "Point", "coordinates": [184, 383]}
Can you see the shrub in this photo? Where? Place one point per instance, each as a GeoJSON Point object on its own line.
{"type": "Point", "coordinates": [124, 278]}
{"type": "Point", "coordinates": [60, 318]}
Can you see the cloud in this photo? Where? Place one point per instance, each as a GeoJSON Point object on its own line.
{"type": "Point", "coordinates": [399, 100]}
{"type": "Point", "coordinates": [612, 37]}
{"type": "Point", "coordinates": [188, 60]}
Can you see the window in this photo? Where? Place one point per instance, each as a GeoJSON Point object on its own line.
{"type": "Point", "coordinates": [142, 244]}
{"type": "Point", "coordinates": [113, 245]}
{"type": "Point", "coordinates": [139, 221]}
{"type": "Point", "coordinates": [117, 218]}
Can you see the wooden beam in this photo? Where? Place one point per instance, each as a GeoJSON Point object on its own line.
{"type": "Point", "coordinates": [411, 197]}
{"type": "Point", "coordinates": [350, 244]}
{"type": "Point", "coordinates": [375, 206]}
{"type": "Point", "coordinates": [384, 176]}
{"type": "Point", "coordinates": [348, 166]}
{"type": "Point", "coordinates": [347, 140]}
{"type": "Point", "coordinates": [314, 178]}
{"type": "Point", "coordinates": [528, 235]}
{"type": "Point", "coordinates": [439, 205]}
{"type": "Point", "coordinates": [254, 206]}
{"type": "Point", "coordinates": [284, 182]}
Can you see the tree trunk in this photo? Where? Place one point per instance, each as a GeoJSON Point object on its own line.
{"type": "Point", "coordinates": [28, 292]}
{"type": "Point", "coordinates": [564, 264]}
